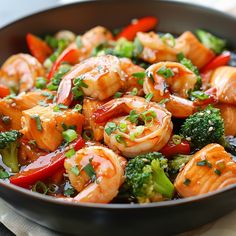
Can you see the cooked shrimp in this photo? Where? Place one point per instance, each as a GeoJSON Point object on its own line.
{"type": "Point", "coordinates": [20, 72]}
{"type": "Point", "coordinates": [154, 49]}
{"type": "Point", "coordinates": [101, 183]}
{"type": "Point", "coordinates": [12, 108]}
{"type": "Point", "coordinates": [101, 76]}
{"type": "Point", "coordinates": [190, 46]}
{"type": "Point", "coordinates": [89, 107]}
{"type": "Point", "coordinates": [129, 81]}
{"type": "Point", "coordinates": [210, 169]}
{"type": "Point", "coordinates": [126, 135]}
{"type": "Point", "coordinates": [41, 123]}
{"type": "Point", "coordinates": [169, 86]}
{"type": "Point", "coordinates": [228, 113]}
{"type": "Point", "coordinates": [224, 80]}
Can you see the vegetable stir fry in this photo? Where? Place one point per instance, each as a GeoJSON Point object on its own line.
{"type": "Point", "coordinates": [133, 116]}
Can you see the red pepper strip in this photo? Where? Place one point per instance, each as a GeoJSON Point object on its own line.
{"type": "Point", "coordinates": [141, 25]}
{"type": "Point", "coordinates": [4, 91]}
{"type": "Point", "coordinates": [106, 112]}
{"type": "Point", "coordinates": [171, 149]}
{"type": "Point", "coordinates": [44, 166]}
{"type": "Point", "coordinates": [38, 47]}
{"type": "Point", "coordinates": [70, 55]}
{"type": "Point", "coordinates": [220, 60]}
{"type": "Point", "coordinates": [212, 92]}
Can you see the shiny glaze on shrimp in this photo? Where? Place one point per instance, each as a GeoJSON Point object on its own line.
{"type": "Point", "coordinates": [102, 76]}
{"type": "Point", "coordinates": [20, 72]}
{"type": "Point", "coordinates": [224, 80]}
{"type": "Point", "coordinates": [174, 89]}
{"type": "Point", "coordinates": [135, 139]}
{"type": "Point", "coordinates": [108, 176]}
{"type": "Point", "coordinates": [210, 169]}
{"type": "Point", "coordinates": [129, 82]}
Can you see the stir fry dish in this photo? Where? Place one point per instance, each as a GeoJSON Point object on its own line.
{"type": "Point", "coordinates": [129, 116]}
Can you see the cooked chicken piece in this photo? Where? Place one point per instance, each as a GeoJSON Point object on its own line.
{"type": "Point", "coordinates": [210, 169]}
{"type": "Point", "coordinates": [46, 124]}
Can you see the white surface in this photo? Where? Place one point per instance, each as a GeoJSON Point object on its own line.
{"type": "Point", "coordinates": [14, 9]}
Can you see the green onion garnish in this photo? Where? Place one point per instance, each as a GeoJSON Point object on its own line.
{"type": "Point", "coordinates": [149, 97]}
{"type": "Point", "coordinates": [110, 127]}
{"type": "Point", "coordinates": [38, 122]}
{"type": "Point", "coordinates": [69, 135]}
{"type": "Point", "coordinates": [70, 153]}
{"type": "Point", "coordinates": [165, 72]}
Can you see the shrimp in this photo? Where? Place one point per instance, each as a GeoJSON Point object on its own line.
{"type": "Point", "coordinates": [224, 80]}
{"type": "Point", "coordinates": [179, 82]}
{"type": "Point", "coordinates": [210, 169]}
{"type": "Point", "coordinates": [20, 72]}
{"type": "Point", "coordinates": [101, 76]}
{"type": "Point", "coordinates": [41, 123]}
{"type": "Point", "coordinates": [129, 81]}
{"type": "Point", "coordinates": [89, 107]}
{"type": "Point", "coordinates": [190, 46]}
{"type": "Point", "coordinates": [148, 127]}
{"type": "Point", "coordinates": [100, 174]}
{"type": "Point", "coordinates": [154, 49]}
{"type": "Point", "coordinates": [11, 108]}
{"type": "Point", "coordinates": [228, 113]}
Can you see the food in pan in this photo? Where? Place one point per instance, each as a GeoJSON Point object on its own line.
{"type": "Point", "coordinates": [132, 115]}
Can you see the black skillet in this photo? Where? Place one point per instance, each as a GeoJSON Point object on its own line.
{"type": "Point", "coordinates": [164, 218]}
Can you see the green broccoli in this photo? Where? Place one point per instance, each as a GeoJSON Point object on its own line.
{"type": "Point", "coordinates": [203, 127]}
{"type": "Point", "coordinates": [210, 41]}
{"type": "Point", "coordinates": [9, 149]}
{"type": "Point", "coordinates": [146, 178]}
{"type": "Point", "coordinates": [178, 162]}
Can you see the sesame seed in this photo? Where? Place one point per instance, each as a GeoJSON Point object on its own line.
{"type": "Point", "coordinates": [210, 129]}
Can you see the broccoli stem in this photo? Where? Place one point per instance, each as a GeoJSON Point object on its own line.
{"type": "Point", "coordinates": [9, 157]}
{"type": "Point", "coordinates": [162, 184]}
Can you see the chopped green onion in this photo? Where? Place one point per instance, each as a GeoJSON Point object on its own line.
{"type": "Point", "coordinates": [40, 187]}
{"type": "Point", "coordinates": [164, 100]}
{"type": "Point", "coordinates": [87, 135]}
{"type": "Point", "coordinates": [199, 95]}
{"type": "Point", "coordinates": [68, 192]}
{"type": "Point", "coordinates": [90, 171]}
{"type": "Point", "coordinates": [134, 91]}
{"type": "Point", "coordinates": [38, 122]}
{"type": "Point", "coordinates": [122, 127]}
{"type": "Point", "coordinates": [149, 97]}
{"type": "Point", "coordinates": [148, 116]}
{"type": "Point", "coordinates": [51, 41]}
{"type": "Point", "coordinates": [69, 135]}
{"type": "Point", "coordinates": [118, 95]}
{"type": "Point", "coordinates": [110, 127]}
{"type": "Point", "coordinates": [77, 93]}
{"type": "Point", "coordinates": [60, 106]}
{"type": "Point", "coordinates": [78, 42]}
{"type": "Point", "coordinates": [75, 170]}
{"type": "Point", "coordinates": [217, 171]}
{"type": "Point", "coordinates": [166, 72]}
{"type": "Point", "coordinates": [70, 153]}
{"type": "Point", "coordinates": [41, 83]}
{"type": "Point", "coordinates": [150, 76]}
{"type": "Point", "coordinates": [139, 130]}
{"type": "Point", "coordinates": [119, 138]}
{"type": "Point", "coordinates": [138, 48]}
{"type": "Point", "coordinates": [78, 82]}
{"type": "Point", "coordinates": [139, 75]}
{"type": "Point", "coordinates": [132, 136]}
{"type": "Point", "coordinates": [133, 116]}
{"type": "Point", "coordinates": [6, 120]}
{"type": "Point", "coordinates": [187, 182]}
{"type": "Point", "coordinates": [124, 48]}
{"type": "Point", "coordinates": [52, 188]}
{"type": "Point", "coordinates": [43, 103]}
{"type": "Point", "coordinates": [78, 108]}
{"type": "Point", "coordinates": [4, 174]}
{"type": "Point", "coordinates": [176, 139]}
{"type": "Point", "coordinates": [168, 39]}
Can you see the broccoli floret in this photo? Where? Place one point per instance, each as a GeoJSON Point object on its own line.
{"type": "Point", "coordinates": [146, 178]}
{"type": "Point", "coordinates": [9, 149]}
{"type": "Point", "coordinates": [210, 41]}
{"type": "Point", "coordinates": [203, 127]}
{"type": "Point", "coordinates": [178, 162]}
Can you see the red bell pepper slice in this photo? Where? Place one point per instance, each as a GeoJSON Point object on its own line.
{"type": "Point", "coordinates": [171, 149]}
{"type": "Point", "coordinates": [70, 55]}
{"type": "Point", "coordinates": [220, 60]}
{"type": "Point", "coordinates": [141, 25]}
{"type": "Point", "coordinates": [4, 91]}
{"type": "Point", "coordinates": [44, 167]}
{"type": "Point", "coordinates": [38, 47]}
